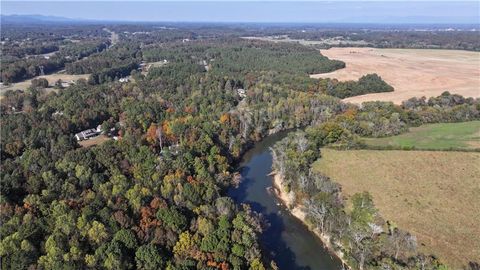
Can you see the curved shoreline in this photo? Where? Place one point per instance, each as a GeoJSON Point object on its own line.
{"type": "Point", "coordinates": [287, 200]}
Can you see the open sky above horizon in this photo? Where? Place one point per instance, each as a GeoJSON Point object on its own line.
{"type": "Point", "coordinates": [255, 11]}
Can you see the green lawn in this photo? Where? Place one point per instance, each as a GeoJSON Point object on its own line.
{"type": "Point", "coordinates": [464, 135]}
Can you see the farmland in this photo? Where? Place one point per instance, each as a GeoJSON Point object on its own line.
{"type": "Point", "coordinates": [434, 195]}
{"type": "Point", "coordinates": [412, 72]}
{"type": "Point", "coordinates": [465, 135]}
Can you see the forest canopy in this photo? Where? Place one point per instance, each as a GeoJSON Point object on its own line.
{"type": "Point", "coordinates": [153, 194]}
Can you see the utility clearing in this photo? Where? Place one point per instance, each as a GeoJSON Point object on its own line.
{"type": "Point", "coordinates": [431, 194]}
{"type": "Point", "coordinates": [412, 72]}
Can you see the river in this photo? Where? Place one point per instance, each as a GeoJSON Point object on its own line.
{"type": "Point", "coordinates": [287, 240]}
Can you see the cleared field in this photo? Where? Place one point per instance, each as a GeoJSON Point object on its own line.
{"type": "Point", "coordinates": [432, 194]}
{"type": "Point", "coordinates": [412, 72]}
{"type": "Point", "coordinates": [51, 78]}
{"type": "Point", "coordinates": [465, 135]}
{"type": "Point", "coordinates": [94, 141]}
{"type": "Point", "coordinates": [153, 65]}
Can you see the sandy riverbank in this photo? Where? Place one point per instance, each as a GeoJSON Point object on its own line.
{"type": "Point", "coordinates": [296, 210]}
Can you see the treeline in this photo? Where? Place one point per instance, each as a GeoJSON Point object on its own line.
{"type": "Point", "coordinates": [108, 65]}
{"type": "Point", "coordinates": [260, 56]}
{"type": "Point", "coordinates": [26, 68]}
{"type": "Point", "coordinates": [38, 32]}
{"type": "Point", "coordinates": [370, 83]}
{"type": "Point", "coordinates": [363, 237]}
{"type": "Point", "coordinates": [22, 51]}
{"type": "Point", "coordinates": [70, 42]}
{"type": "Point", "coordinates": [77, 51]}
{"type": "Point", "coordinates": [386, 38]}
{"type": "Point", "coordinates": [237, 56]}
{"type": "Point", "coordinates": [113, 73]}
{"type": "Point", "coordinates": [444, 108]}
{"type": "Point", "coordinates": [380, 119]}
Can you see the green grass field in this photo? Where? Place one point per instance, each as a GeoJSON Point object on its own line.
{"type": "Point", "coordinates": [464, 135]}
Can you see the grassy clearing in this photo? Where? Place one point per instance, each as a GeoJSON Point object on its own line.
{"type": "Point", "coordinates": [94, 141]}
{"type": "Point", "coordinates": [465, 135]}
{"type": "Point", "coordinates": [432, 194]}
{"type": "Point", "coordinates": [51, 78]}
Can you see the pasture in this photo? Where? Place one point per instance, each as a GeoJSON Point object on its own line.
{"type": "Point", "coordinates": [431, 194]}
{"type": "Point", "coordinates": [464, 135]}
{"type": "Point", "coordinates": [412, 72]}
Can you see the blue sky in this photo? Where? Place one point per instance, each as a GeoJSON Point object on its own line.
{"type": "Point", "coordinates": [255, 11]}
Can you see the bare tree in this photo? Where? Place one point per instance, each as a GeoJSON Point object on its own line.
{"type": "Point", "coordinates": [159, 134]}
{"type": "Point", "coordinates": [402, 242]}
{"type": "Point", "coordinates": [303, 182]}
{"type": "Point", "coordinates": [245, 118]}
{"type": "Point", "coordinates": [361, 248]}
{"type": "Point", "coordinates": [278, 160]}
{"type": "Point", "coordinates": [231, 142]}
{"type": "Point", "coordinates": [375, 229]}
{"type": "Point", "coordinates": [318, 211]}
{"type": "Point", "coordinates": [302, 142]}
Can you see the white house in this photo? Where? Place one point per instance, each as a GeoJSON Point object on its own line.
{"type": "Point", "coordinates": [124, 80]}
{"type": "Point", "coordinates": [87, 134]}
{"type": "Point", "coordinates": [242, 93]}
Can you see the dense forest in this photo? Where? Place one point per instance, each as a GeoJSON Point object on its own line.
{"type": "Point", "coordinates": [155, 197]}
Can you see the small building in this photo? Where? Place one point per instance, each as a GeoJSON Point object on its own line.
{"type": "Point", "coordinates": [87, 134]}
{"type": "Point", "coordinates": [242, 93]}
{"type": "Point", "coordinates": [65, 84]}
{"type": "Point", "coordinates": [57, 113]}
{"type": "Point", "coordinates": [124, 80]}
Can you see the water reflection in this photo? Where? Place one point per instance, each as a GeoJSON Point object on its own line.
{"type": "Point", "coordinates": [288, 241]}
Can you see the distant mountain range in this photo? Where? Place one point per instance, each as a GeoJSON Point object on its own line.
{"type": "Point", "coordinates": [23, 19]}
{"type": "Point", "coordinates": [463, 22]}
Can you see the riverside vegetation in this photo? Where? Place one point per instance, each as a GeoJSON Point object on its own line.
{"type": "Point", "coordinates": [358, 232]}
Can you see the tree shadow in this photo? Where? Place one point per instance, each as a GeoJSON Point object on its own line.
{"type": "Point", "coordinates": [271, 239]}
{"type": "Point", "coordinates": [272, 242]}
{"type": "Point", "coordinates": [239, 194]}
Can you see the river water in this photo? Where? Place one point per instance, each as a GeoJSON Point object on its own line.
{"type": "Point", "coordinates": [287, 240]}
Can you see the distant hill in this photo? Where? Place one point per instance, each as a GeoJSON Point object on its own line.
{"type": "Point", "coordinates": [24, 19]}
